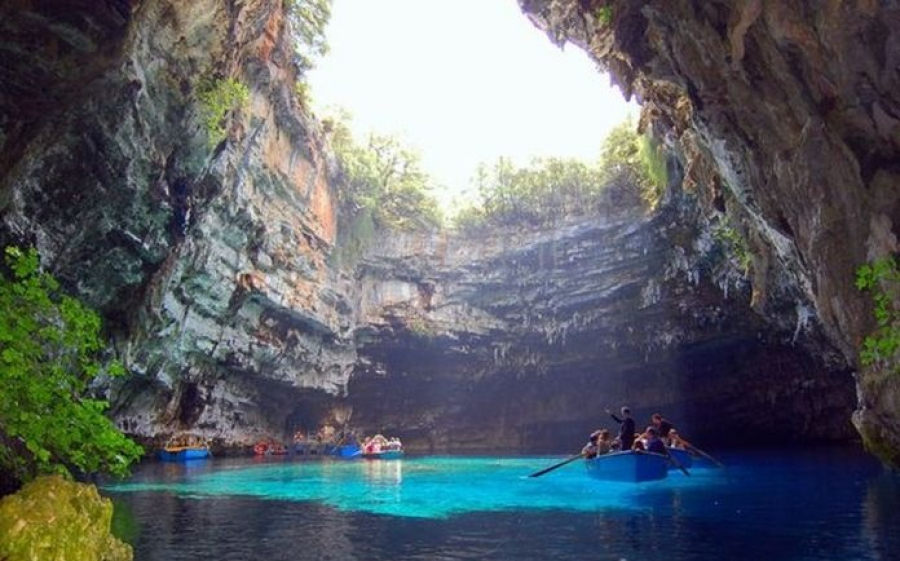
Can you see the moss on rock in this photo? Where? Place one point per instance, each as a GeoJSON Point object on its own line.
{"type": "Point", "coordinates": [52, 518]}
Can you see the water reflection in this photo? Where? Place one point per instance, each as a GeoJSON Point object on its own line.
{"type": "Point", "coordinates": [383, 473]}
{"type": "Point", "coordinates": [881, 510]}
{"type": "Point", "coordinates": [778, 507]}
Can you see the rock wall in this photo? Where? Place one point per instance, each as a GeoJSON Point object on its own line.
{"type": "Point", "coordinates": [209, 262]}
{"type": "Point", "coordinates": [520, 340]}
{"type": "Point", "coordinates": [788, 115]}
{"type": "Point", "coordinates": [217, 267]}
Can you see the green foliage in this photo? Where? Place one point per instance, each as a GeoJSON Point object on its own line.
{"type": "Point", "coordinates": [385, 179]}
{"type": "Point", "coordinates": [50, 344]}
{"type": "Point", "coordinates": [546, 191]}
{"type": "Point", "coordinates": [421, 328]}
{"type": "Point", "coordinates": [630, 158]}
{"type": "Point", "coordinates": [308, 19]}
{"type": "Point", "coordinates": [604, 14]}
{"type": "Point", "coordinates": [632, 170]}
{"type": "Point", "coordinates": [655, 175]}
{"type": "Point", "coordinates": [52, 518]}
{"type": "Point", "coordinates": [217, 100]}
{"type": "Point", "coordinates": [301, 92]}
{"type": "Point", "coordinates": [733, 245]}
{"type": "Point", "coordinates": [882, 279]}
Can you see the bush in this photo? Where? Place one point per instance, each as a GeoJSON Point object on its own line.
{"type": "Point", "coordinates": [50, 344]}
{"type": "Point", "coordinates": [631, 158]}
{"type": "Point", "coordinates": [882, 279]}
{"type": "Point", "coordinates": [217, 100]}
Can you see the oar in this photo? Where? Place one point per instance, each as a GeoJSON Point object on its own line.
{"type": "Point", "coordinates": [677, 463]}
{"type": "Point", "coordinates": [555, 466]}
{"type": "Point", "coordinates": [667, 456]}
{"type": "Point", "coordinates": [708, 457]}
{"type": "Point", "coordinates": [702, 453]}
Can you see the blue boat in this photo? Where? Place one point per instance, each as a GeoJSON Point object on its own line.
{"type": "Point", "coordinates": [681, 456]}
{"type": "Point", "coordinates": [348, 451]}
{"type": "Point", "coordinates": [633, 467]}
{"type": "Point", "coordinates": [183, 453]}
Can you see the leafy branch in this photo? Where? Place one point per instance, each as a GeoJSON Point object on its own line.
{"type": "Point", "coordinates": [50, 345]}
{"type": "Point", "coordinates": [882, 279]}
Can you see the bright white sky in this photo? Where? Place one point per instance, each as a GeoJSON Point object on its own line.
{"type": "Point", "coordinates": [464, 82]}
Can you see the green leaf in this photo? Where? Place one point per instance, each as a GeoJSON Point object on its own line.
{"type": "Point", "coordinates": [49, 357]}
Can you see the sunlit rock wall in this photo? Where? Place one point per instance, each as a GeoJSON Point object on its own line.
{"type": "Point", "coordinates": [209, 262]}
{"type": "Point", "coordinates": [521, 340]}
{"type": "Point", "coordinates": [789, 112]}
{"type": "Point", "coordinates": [217, 269]}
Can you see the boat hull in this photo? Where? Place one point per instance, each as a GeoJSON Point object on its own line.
{"type": "Point", "coordinates": [348, 451]}
{"type": "Point", "coordinates": [183, 454]}
{"type": "Point", "coordinates": [631, 467]}
{"type": "Point", "coordinates": [387, 455]}
{"type": "Point", "coordinates": [682, 457]}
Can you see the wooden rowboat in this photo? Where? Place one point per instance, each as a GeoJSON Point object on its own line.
{"type": "Point", "coordinates": [183, 453]}
{"type": "Point", "coordinates": [633, 467]}
{"type": "Point", "coordinates": [681, 456]}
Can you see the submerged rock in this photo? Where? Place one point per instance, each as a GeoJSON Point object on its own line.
{"type": "Point", "coordinates": [53, 518]}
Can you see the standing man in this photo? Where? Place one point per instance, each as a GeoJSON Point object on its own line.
{"type": "Point", "coordinates": [626, 431]}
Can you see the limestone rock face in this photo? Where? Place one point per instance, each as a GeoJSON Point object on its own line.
{"type": "Point", "coordinates": [209, 262]}
{"type": "Point", "coordinates": [217, 267]}
{"type": "Point", "coordinates": [788, 114]}
{"type": "Point", "coordinates": [520, 340]}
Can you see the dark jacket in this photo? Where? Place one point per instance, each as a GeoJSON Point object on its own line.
{"type": "Point", "coordinates": [664, 428]}
{"type": "Point", "coordinates": [656, 445]}
{"type": "Point", "coordinates": [626, 431]}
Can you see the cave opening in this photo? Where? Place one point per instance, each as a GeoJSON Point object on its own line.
{"type": "Point", "coordinates": [569, 272]}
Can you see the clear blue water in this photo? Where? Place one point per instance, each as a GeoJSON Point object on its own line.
{"type": "Point", "coordinates": [766, 505]}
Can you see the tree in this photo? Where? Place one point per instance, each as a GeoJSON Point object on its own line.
{"type": "Point", "coordinates": [49, 347]}
{"type": "Point", "coordinates": [384, 178]}
{"type": "Point", "coordinates": [632, 159]}
{"type": "Point", "coordinates": [308, 19]}
{"type": "Point", "coordinates": [540, 194]}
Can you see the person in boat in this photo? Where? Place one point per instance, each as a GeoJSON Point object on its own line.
{"type": "Point", "coordinates": [591, 449]}
{"type": "Point", "coordinates": [604, 442]}
{"type": "Point", "coordinates": [675, 441]}
{"type": "Point", "coordinates": [663, 426]}
{"type": "Point", "coordinates": [653, 443]}
{"type": "Point", "coordinates": [626, 430]}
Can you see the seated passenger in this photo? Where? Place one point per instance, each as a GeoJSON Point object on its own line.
{"type": "Point", "coordinates": [591, 449]}
{"type": "Point", "coordinates": [654, 443]}
{"type": "Point", "coordinates": [604, 443]}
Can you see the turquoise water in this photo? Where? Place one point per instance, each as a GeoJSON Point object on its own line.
{"type": "Point", "coordinates": [774, 505]}
{"type": "Point", "coordinates": [434, 487]}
